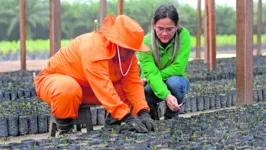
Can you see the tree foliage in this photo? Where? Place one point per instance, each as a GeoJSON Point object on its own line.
{"type": "Point", "coordinates": [77, 17]}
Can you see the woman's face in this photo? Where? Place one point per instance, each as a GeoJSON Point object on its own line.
{"type": "Point", "coordinates": [165, 29]}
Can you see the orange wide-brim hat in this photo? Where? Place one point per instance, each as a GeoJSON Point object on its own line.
{"type": "Point", "coordinates": [125, 32]}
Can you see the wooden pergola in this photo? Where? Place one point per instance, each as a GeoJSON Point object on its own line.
{"type": "Point", "coordinates": [244, 43]}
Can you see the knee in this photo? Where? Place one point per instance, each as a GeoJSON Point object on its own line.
{"type": "Point", "coordinates": [68, 90]}
{"type": "Point", "coordinates": [177, 83]}
{"type": "Point", "coordinates": [66, 99]}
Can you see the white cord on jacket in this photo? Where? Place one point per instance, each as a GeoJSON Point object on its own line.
{"type": "Point", "coordinates": [120, 64]}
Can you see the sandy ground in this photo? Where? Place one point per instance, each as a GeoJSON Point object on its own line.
{"type": "Point", "coordinates": [7, 66]}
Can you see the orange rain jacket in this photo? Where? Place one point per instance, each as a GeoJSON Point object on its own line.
{"type": "Point", "coordinates": [88, 60]}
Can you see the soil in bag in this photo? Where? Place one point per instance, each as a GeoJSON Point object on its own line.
{"type": "Point", "coordinates": [33, 124]}
{"type": "Point", "coordinates": [42, 123]}
{"type": "Point", "coordinates": [3, 127]}
{"type": "Point", "coordinates": [12, 122]}
{"type": "Point", "coordinates": [23, 125]}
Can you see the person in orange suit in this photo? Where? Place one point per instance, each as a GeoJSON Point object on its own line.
{"type": "Point", "coordinates": [99, 68]}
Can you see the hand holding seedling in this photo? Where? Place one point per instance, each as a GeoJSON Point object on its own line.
{"type": "Point", "coordinates": [172, 103]}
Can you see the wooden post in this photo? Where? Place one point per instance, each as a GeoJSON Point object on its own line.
{"type": "Point", "coordinates": [55, 26]}
{"type": "Point", "coordinates": [244, 52]}
{"type": "Point", "coordinates": [210, 34]}
{"type": "Point", "coordinates": [198, 51]}
{"type": "Point", "coordinates": [120, 7]}
{"type": "Point", "coordinates": [205, 34]}
{"type": "Point", "coordinates": [23, 34]}
{"type": "Point", "coordinates": [103, 10]}
{"type": "Point", "coordinates": [259, 27]}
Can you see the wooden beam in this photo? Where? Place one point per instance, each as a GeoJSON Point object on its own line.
{"type": "Point", "coordinates": [23, 34]}
{"type": "Point", "coordinates": [55, 26]}
{"type": "Point", "coordinates": [206, 34]}
{"type": "Point", "coordinates": [198, 51]}
{"type": "Point", "coordinates": [210, 33]}
{"type": "Point", "coordinates": [244, 52]}
{"type": "Point", "coordinates": [103, 10]}
{"type": "Point", "coordinates": [259, 27]}
{"type": "Point", "coordinates": [120, 7]}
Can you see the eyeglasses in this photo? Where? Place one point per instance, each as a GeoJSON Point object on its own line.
{"type": "Point", "coordinates": [169, 30]}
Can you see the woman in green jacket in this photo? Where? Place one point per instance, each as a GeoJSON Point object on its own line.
{"type": "Point", "coordinates": [163, 67]}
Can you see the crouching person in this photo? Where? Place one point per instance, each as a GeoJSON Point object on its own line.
{"type": "Point", "coordinates": [164, 66]}
{"type": "Point", "coordinates": [98, 68]}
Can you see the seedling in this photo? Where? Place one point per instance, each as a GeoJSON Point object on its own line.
{"type": "Point", "coordinates": [221, 124]}
{"type": "Point", "coordinates": [215, 134]}
{"type": "Point", "coordinates": [105, 142]}
{"type": "Point", "coordinates": [195, 136]}
{"type": "Point", "coordinates": [181, 134]}
{"type": "Point", "coordinates": [154, 148]}
{"type": "Point", "coordinates": [172, 141]}
{"type": "Point", "coordinates": [113, 131]}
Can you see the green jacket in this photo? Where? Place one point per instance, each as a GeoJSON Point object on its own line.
{"type": "Point", "coordinates": [156, 77]}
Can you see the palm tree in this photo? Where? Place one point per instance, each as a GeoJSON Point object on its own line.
{"type": "Point", "coordinates": [143, 10]}
{"type": "Point", "coordinates": [78, 17]}
{"type": "Point", "coordinates": [37, 13]}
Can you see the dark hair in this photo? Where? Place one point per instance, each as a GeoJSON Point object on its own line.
{"type": "Point", "coordinates": [166, 11]}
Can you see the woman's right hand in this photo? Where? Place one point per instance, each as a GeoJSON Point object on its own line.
{"type": "Point", "coordinates": [172, 102]}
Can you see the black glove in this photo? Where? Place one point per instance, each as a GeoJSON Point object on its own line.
{"type": "Point", "coordinates": [145, 118]}
{"type": "Point", "coordinates": [135, 123]}
{"type": "Point", "coordinates": [110, 121]}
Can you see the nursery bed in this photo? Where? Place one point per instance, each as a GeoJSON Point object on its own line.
{"type": "Point", "coordinates": [208, 119]}
{"type": "Point", "coordinates": [237, 128]}
{"type": "Point", "coordinates": [10, 139]}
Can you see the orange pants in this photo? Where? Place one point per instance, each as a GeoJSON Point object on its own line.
{"type": "Point", "coordinates": [65, 94]}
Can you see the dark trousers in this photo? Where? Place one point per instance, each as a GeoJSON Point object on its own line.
{"type": "Point", "coordinates": [177, 85]}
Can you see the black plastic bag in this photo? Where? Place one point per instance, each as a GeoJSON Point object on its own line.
{"type": "Point", "coordinates": [33, 124]}
{"type": "Point", "coordinates": [12, 122]}
{"type": "Point", "coordinates": [23, 125]}
{"type": "Point", "coordinates": [100, 116]}
{"type": "Point", "coordinates": [42, 123]}
{"type": "Point", "coordinates": [3, 127]}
